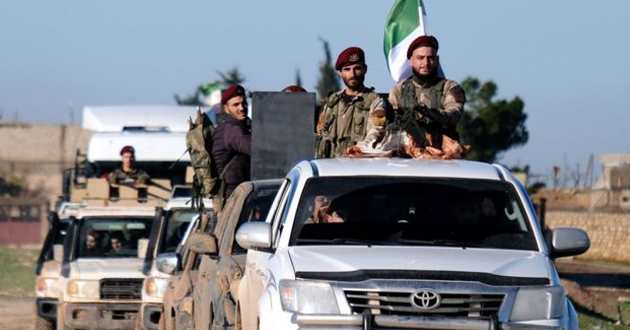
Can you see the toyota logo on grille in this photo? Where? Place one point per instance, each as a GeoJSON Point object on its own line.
{"type": "Point", "coordinates": [425, 299]}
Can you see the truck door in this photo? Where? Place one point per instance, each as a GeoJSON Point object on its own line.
{"type": "Point", "coordinates": [256, 277]}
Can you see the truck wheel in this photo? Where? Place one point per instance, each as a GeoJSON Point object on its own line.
{"type": "Point", "coordinates": [43, 324]}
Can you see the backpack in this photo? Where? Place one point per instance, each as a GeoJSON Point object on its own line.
{"type": "Point", "coordinates": [206, 181]}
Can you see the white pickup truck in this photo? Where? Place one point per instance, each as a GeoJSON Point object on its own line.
{"type": "Point", "coordinates": [101, 283]}
{"type": "Point", "coordinates": [403, 244]}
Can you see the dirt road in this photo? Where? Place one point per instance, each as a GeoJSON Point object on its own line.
{"type": "Point", "coordinates": [17, 313]}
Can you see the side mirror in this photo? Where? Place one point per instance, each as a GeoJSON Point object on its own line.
{"type": "Point", "coordinates": [168, 263]}
{"type": "Point", "coordinates": [203, 243]}
{"type": "Point", "coordinates": [58, 252]}
{"type": "Point", "coordinates": [254, 235]}
{"type": "Point", "coordinates": [568, 242]}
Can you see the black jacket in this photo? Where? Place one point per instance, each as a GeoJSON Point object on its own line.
{"type": "Point", "coordinates": [231, 147]}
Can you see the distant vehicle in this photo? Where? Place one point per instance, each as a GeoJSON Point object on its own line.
{"type": "Point", "coordinates": [166, 235]}
{"type": "Point", "coordinates": [48, 268]}
{"type": "Point", "coordinates": [101, 284]}
{"type": "Point", "coordinates": [182, 266]}
{"type": "Point", "coordinates": [401, 243]}
{"type": "Point", "coordinates": [157, 133]}
{"type": "Point", "coordinates": [214, 302]}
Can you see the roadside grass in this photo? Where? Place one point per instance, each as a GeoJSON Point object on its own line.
{"type": "Point", "coordinates": [17, 271]}
{"type": "Point", "coordinates": [590, 320]}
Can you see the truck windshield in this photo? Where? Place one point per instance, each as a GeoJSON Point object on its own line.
{"type": "Point", "coordinates": [111, 237]}
{"type": "Point", "coordinates": [176, 226]}
{"type": "Point", "coordinates": [407, 211]}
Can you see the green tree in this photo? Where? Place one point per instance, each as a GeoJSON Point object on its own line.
{"type": "Point", "coordinates": [232, 77]}
{"type": "Point", "coordinates": [193, 99]}
{"type": "Point", "coordinates": [298, 78]}
{"type": "Point", "coordinates": [491, 126]}
{"type": "Point", "coordinates": [328, 76]}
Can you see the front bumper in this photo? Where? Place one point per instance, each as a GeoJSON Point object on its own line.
{"type": "Point", "coordinates": [367, 321]}
{"type": "Point", "coordinates": [47, 308]}
{"type": "Point", "coordinates": [101, 315]}
{"type": "Point", "coordinates": [151, 314]}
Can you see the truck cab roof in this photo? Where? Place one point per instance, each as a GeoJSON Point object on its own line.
{"type": "Point", "coordinates": [135, 211]}
{"type": "Point", "coordinates": [402, 167]}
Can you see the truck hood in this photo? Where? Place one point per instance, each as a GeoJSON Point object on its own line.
{"type": "Point", "coordinates": [339, 259]}
{"type": "Point", "coordinates": [96, 269]}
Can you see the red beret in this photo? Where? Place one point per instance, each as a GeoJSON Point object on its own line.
{"type": "Point", "coordinates": [422, 41]}
{"type": "Point", "coordinates": [232, 91]}
{"type": "Point", "coordinates": [351, 55]}
{"type": "Point", "coordinates": [127, 149]}
{"type": "Point", "coordinates": [294, 89]}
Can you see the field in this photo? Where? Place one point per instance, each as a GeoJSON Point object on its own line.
{"type": "Point", "coordinates": [17, 271]}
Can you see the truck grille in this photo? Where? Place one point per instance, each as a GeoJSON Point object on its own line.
{"type": "Point", "coordinates": [400, 303]}
{"type": "Point", "coordinates": [121, 288]}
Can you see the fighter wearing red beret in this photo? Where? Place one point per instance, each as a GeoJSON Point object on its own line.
{"type": "Point", "coordinates": [437, 102]}
{"type": "Point", "coordinates": [231, 143]}
{"type": "Point", "coordinates": [294, 89]}
{"type": "Point", "coordinates": [351, 114]}
{"type": "Point", "coordinates": [127, 173]}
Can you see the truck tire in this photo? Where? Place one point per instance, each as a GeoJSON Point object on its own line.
{"type": "Point", "coordinates": [43, 324]}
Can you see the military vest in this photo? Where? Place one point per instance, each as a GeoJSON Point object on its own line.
{"type": "Point", "coordinates": [330, 144]}
{"type": "Point", "coordinates": [408, 104]}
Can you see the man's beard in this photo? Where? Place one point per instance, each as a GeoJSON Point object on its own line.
{"type": "Point", "coordinates": [356, 84]}
{"type": "Point", "coordinates": [423, 78]}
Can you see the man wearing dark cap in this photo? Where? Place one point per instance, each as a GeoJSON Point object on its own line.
{"type": "Point", "coordinates": [352, 113]}
{"type": "Point", "coordinates": [231, 143]}
{"type": "Point", "coordinates": [435, 102]}
{"type": "Point", "coordinates": [294, 89]}
{"type": "Point", "coordinates": [128, 173]}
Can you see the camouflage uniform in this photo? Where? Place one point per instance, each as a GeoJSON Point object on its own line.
{"type": "Point", "coordinates": [345, 121]}
{"type": "Point", "coordinates": [137, 177]}
{"type": "Point", "coordinates": [437, 105]}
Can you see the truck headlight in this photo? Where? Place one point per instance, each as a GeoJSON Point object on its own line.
{"type": "Point", "coordinates": [155, 286]}
{"type": "Point", "coordinates": [307, 297]}
{"type": "Point", "coordinates": [44, 286]}
{"type": "Point", "coordinates": [83, 289]}
{"type": "Point", "coordinates": [539, 303]}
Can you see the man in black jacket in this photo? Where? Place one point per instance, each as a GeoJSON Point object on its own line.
{"type": "Point", "coordinates": [231, 147]}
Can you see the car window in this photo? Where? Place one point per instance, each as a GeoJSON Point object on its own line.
{"type": "Point", "coordinates": [280, 211]}
{"type": "Point", "coordinates": [112, 237]}
{"type": "Point", "coordinates": [403, 211]}
{"type": "Point", "coordinates": [256, 208]}
{"type": "Point", "coordinates": [176, 225]}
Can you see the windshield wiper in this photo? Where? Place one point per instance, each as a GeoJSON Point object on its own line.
{"type": "Point", "coordinates": [342, 240]}
{"type": "Point", "coordinates": [440, 242]}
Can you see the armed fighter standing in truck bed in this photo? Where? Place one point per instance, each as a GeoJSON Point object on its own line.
{"type": "Point", "coordinates": [346, 118]}
{"type": "Point", "coordinates": [127, 173]}
{"type": "Point", "coordinates": [427, 108]}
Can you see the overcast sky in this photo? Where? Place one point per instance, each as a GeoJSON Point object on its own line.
{"type": "Point", "coordinates": [568, 60]}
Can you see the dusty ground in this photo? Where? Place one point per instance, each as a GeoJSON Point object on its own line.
{"type": "Point", "coordinates": [17, 313]}
{"type": "Point", "coordinates": [600, 287]}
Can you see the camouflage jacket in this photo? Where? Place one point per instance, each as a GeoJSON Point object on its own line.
{"type": "Point", "coordinates": [436, 106]}
{"type": "Point", "coordinates": [345, 122]}
{"type": "Point", "coordinates": [137, 176]}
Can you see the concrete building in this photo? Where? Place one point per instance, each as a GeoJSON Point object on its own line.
{"type": "Point", "coordinates": [612, 188]}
